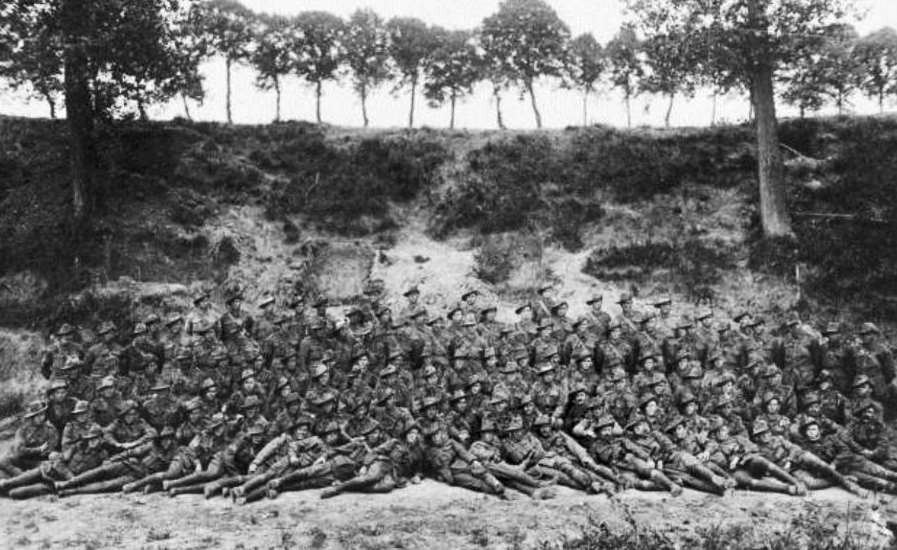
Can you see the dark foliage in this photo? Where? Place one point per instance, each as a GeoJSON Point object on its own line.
{"type": "Point", "coordinates": [496, 259]}
{"type": "Point", "coordinates": [338, 185]}
{"type": "Point", "coordinates": [694, 265]}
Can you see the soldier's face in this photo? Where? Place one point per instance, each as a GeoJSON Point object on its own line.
{"type": "Point", "coordinates": [813, 409]}
{"type": "Point", "coordinates": [475, 388]}
{"type": "Point", "coordinates": [194, 415]}
{"type": "Point", "coordinates": [580, 397]}
{"type": "Point", "coordinates": [665, 309]}
{"type": "Point", "coordinates": [597, 305]}
{"type": "Point", "coordinates": [167, 443]}
{"type": "Point", "coordinates": [300, 432]}
{"type": "Point", "coordinates": [615, 333]}
{"type": "Point", "coordinates": [641, 428]}
{"type": "Point", "coordinates": [412, 437]}
{"type": "Point", "coordinates": [707, 322]}
{"type": "Point", "coordinates": [764, 437]}
{"type": "Point", "coordinates": [691, 408]}
{"type": "Point", "coordinates": [461, 404]}
{"type": "Point", "coordinates": [648, 365]}
{"type": "Point", "coordinates": [431, 412]}
{"type": "Point", "coordinates": [500, 406]}
{"type": "Point", "coordinates": [869, 414]}
{"type": "Point", "coordinates": [548, 377]}
{"type": "Point", "coordinates": [586, 365]}
{"type": "Point", "coordinates": [722, 433]}
{"type": "Point", "coordinates": [680, 432]}
{"type": "Point", "coordinates": [58, 394]}
{"type": "Point", "coordinates": [38, 419]}
{"type": "Point", "coordinates": [650, 408]}
{"type": "Point", "coordinates": [545, 430]}
{"type": "Point", "coordinates": [773, 406]}
{"type": "Point", "coordinates": [94, 442]}
{"type": "Point", "coordinates": [863, 391]}
{"type": "Point", "coordinates": [131, 416]}
{"type": "Point", "coordinates": [606, 431]}
{"type": "Point", "coordinates": [463, 435]}
{"type": "Point", "coordinates": [526, 314]}
{"type": "Point", "coordinates": [81, 417]}
{"type": "Point", "coordinates": [529, 409]}
{"type": "Point", "coordinates": [812, 432]}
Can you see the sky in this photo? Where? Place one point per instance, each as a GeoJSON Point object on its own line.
{"type": "Point", "coordinates": [559, 107]}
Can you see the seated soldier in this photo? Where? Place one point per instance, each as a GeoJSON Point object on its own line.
{"type": "Point", "coordinates": [833, 449]}
{"type": "Point", "coordinates": [35, 439]}
{"type": "Point", "coordinates": [740, 458]}
{"type": "Point", "coordinates": [135, 463]}
{"type": "Point", "coordinates": [566, 455]}
{"type": "Point", "coordinates": [684, 459]}
{"type": "Point", "coordinates": [641, 454]}
{"type": "Point", "coordinates": [812, 471]}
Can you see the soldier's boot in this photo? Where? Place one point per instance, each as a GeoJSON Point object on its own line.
{"type": "Point", "coordinates": [187, 490]}
{"type": "Point", "coordinates": [29, 491]}
{"type": "Point", "coordinates": [868, 481]}
{"type": "Point", "coordinates": [212, 489]}
{"type": "Point", "coordinates": [661, 479]}
{"type": "Point", "coordinates": [26, 478]}
{"type": "Point", "coordinates": [255, 495]}
{"type": "Point", "coordinates": [768, 485]}
{"type": "Point", "coordinates": [698, 484]}
{"type": "Point", "coordinates": [776, 471]}
{"type": "Point", "coordinates": [854, 488]}
{"type": "Point", "coordinates": [107, 486]}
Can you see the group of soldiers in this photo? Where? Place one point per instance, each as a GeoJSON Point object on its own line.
{"type": "Point", "coordinates": [221, 402]}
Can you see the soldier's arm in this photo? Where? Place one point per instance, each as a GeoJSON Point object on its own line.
{"type": "Point", "coordinates": [633, 449]}
{"type": "Point", "coordinates": [268, 451]}
{"type": "Point", "coordinates": [583, 429]}
{"type": "Point", "coordinates": [46, 364]}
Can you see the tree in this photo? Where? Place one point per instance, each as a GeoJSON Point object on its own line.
{"type": "Point", "coordinates": [36, 65]}
{"type": "Point", "coordinates": [272, 57]}
{"type": "Point", "coordinates": [749, 40]}
{"type": "Point", "coordinates": [839, 68]}
{"type": "Point", "coordinates": [825, 70]}
{"type": "Point", "coordinates": [493, 69]}
{"type": "Point", "coordinates": [453, 70]}
{"type": "Point", "coordinates": [367, 54]}
{"type": "Point", "coordinates": [191, 47]}
{"type": "Point", "coordinates": [530, 40]}
{"type": "Point", "coordinates": [877, 55]}
{"type": "Point", "coordinates": [319, 51]}
{"type": "Point", "coordinates": [103, 52]}
{"type": "Point", "coordinates": [227, 26]}
{"type": "Point", "coordinates": [669, 63]}
{"type": "Point", "coordinates": [411, 43]}
{"type": "Point", "coordinates": [626, 69]}
{"type": "Point", "coordinates": [585, 65]}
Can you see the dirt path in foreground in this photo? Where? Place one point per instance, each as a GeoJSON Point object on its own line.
{"type": "Point", "coordinates": [428, 516]}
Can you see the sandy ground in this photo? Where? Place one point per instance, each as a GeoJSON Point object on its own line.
{"type": "Point", "coordinates": [429, 515]}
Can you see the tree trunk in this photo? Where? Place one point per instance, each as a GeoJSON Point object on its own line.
{"type": "Point", "coordinates": [803, 111]}
{"type": "Point", "coordinates": [585, 107]}
{"type": "Point", "coordinates": [364, 105]}
{"type": "Point", "coordinates": [881, 101]}
{"type": "Point", "coordinates": [141, 109]}
{"type": "Point", "coordinates": [532, 97]}
{"type": "Point", "coordinates": [230, 119]}
{"type": "Point", "coordinates": [713, 110]}
{"type": "Point", "coordinates": [318, 86]}
{"type": "Point", "coordinates": [52, 105]}
{"type": "Point", "coordinates": [497, 93]}
{"type": "Point", "coordinates": [628, 110]}
{"type": "Point", "coordinates": [666, 118]}
{"type": "Point", "coordinates": [79, 109]}
{"type": "Point", "coordinates": [773, 210]}
{"type": "Point", "coordinates": [413, 95]}
{"type": "Point", "coordinates": [277, 91]}
{"type": "Point", "coordinates": [452, 120]}
{"type": "Point", "coordinates": [186, 107]}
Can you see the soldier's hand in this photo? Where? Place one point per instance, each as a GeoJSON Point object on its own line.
{"type": "Point", "coordinates": [45, 446]}
{"type": "Point", "coordinates": [703, 456]}
{"type": "Point", "coordinates": [254, 467]}
{"type": "Point", "coordinates": [416, 479]}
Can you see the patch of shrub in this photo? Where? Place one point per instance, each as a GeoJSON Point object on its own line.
{"type": "Point", "coordinates": [335, 186]}
{"type": "Point", "coordinates": [695, 265]}
{"type": "Point", "coordinates": [496, 259]}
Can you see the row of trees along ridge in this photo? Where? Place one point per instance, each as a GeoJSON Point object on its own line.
{"type": "Point", "coordinates": [106, 57]}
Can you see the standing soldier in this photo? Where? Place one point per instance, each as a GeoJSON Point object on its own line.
{"type": "Point", "coordinates": [545, 302]}
{"type": "Point", "coordinates": [55, 356]}
{"type": "Point", "coordinates": [598, 320]}
{"type": "Point", "coordinates": [875, 360]}
{"type": "Point", "coordinates": [412, 295]}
